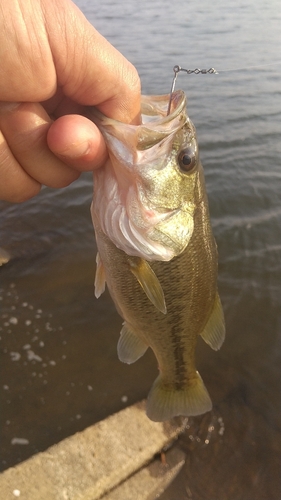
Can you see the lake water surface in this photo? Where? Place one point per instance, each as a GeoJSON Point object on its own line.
{"type": "Point", "coordinates": [59, 367]}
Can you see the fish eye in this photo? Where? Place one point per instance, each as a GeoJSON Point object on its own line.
{"type": "Point", "coordinates": [187, 159]}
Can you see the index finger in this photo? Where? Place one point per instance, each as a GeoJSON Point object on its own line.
{"type": "Point", "coordinates": [89, 69]}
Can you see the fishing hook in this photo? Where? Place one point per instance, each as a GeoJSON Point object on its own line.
{"type": "Point", "coordinates": [177, 69]}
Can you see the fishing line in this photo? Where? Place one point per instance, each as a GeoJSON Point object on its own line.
{"type": "Point", "coordinates": [245, 68]}
{"type": "Point", "coordinates": [177, 69]}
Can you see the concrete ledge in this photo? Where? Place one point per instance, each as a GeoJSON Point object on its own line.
{"type": "Point", "coordinates": [93, 462]}
{"type": "Point", "coordinates": [150, 481]}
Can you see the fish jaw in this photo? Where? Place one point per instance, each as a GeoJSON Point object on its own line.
{"type": "Point", "coordinates": [139, 198]}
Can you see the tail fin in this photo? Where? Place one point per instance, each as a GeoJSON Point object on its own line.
{"type": "Point", "coordinates": [164, 402]}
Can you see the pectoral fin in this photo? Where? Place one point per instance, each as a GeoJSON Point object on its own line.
{"type": "Point", "coordinates": [100, 277]}
{"type": "Point", "coordinates": [214, 331]}
{"type": "Point", "coordinates": [149, 282]}
{"type": "Point", "coordinates": [130, 347]}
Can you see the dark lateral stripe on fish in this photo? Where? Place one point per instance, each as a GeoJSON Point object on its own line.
{"type": "Point", "coordinates": [178, 345]}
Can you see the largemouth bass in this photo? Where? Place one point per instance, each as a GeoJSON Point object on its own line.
{"type": "Point", "coordinates": [156, 250]}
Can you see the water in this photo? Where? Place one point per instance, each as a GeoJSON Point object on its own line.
{"type": "Point", "coordinates": [60, 371]}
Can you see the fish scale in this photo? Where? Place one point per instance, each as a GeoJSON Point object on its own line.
{"type": "Point", "coordinates": [165, 290]}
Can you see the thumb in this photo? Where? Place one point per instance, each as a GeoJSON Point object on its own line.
{"type": "Point", "coordinates": [78, 142]}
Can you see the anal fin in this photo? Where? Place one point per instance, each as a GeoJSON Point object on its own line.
{"type": "Point", "coordinates": [130, 347]}
{"type": "Point", "coordinates": [214, 331]}
{"type": "Point", "coordinates": [149, 283]}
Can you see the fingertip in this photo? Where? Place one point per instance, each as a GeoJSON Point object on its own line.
{"type": "Point", "coordinates": [77, 142]}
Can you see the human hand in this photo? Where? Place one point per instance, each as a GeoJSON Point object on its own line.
{"type": "Point", "coordinates": [53, 64]}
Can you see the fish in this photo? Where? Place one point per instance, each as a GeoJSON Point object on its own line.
{"type": "Point", "coordinates": [156, 250]}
